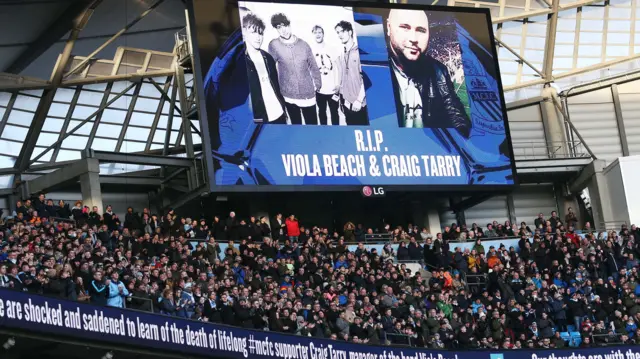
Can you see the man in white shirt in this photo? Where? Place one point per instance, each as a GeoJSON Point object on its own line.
{"type": "Point", "coordinates": [267, 102]}
{"type": "Point", "coordinates": [327, 60]}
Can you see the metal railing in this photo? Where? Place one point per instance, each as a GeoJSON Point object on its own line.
{"type": "Point", "coordinates": [611, 225]}
{"type": "Point", "coordinates": [183, 47]}
{"type": "Point", "coordinates": [606, 339]}
{"type": "Point", "coordinates": [131, 298]}
{"type": "Point", "coordinates": [378, 238]}
{"type": "Point", "coordinates": [477, 286]}
{"type": "Point", "coordinates": [397, 339]}
{"type": "Point", "coordinates": [544, 150]}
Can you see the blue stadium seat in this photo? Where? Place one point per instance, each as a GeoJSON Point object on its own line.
{"type": "Point", "coordinates": [571, 328]}
{"type": "Point", "coordinates": [575, 342]}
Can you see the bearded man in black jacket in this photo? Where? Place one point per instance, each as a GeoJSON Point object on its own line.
{"type": "Point", "coordinates": [425, 97]}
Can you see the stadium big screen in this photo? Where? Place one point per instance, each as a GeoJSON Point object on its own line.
{"type": "Point", "coordinates": [349, 94]}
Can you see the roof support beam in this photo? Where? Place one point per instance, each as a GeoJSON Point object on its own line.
{"type": "Point", "coordinates": [460, 206]}
{"type": "Point", "coordinates": [156, 119]}
{"type": "Point", "coordinates": [65, 22]}
{"type": "Point", "coordinates": [73, 130]}
{"type": "Point", "coordinates": [137, 159]}
{"type": "Point", "coordinates": [65, 174]}
{"type": "Point", "coordinates": [550, 43]}
{"type": "Point", "coordinates": [131, 181]}
{"type": "Point", "coordinates": [520, 58]}
{"type": "Point", "coordinates": [113, 38]}
{"type": "Point", "coordinates": [24, 159]}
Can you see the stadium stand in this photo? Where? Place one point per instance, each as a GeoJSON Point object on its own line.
{"type": "Point", "coordinates": [559, 287]}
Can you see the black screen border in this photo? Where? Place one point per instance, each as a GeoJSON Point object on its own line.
{"type": "Point", "coordinates": [204, 123]}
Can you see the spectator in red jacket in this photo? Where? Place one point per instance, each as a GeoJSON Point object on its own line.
{"type": "Point", "coordinates": [293, 228]}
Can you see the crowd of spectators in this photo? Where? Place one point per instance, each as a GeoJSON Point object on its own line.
{"type": "Point", "coordinates": [277, 274]}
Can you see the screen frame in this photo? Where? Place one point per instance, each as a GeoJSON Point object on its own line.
{"type": "Point", "coordinates": [204, 123]}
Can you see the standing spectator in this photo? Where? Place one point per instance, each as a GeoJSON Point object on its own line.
{"type": "Point", "coordinates": [110, 219]}
{"type": "Point", "coordinates": [78, 213]}
{"type": "Point", "coordinates": [293, 228]}
{"type": "Point", "coordinates": [571, 220]}
{"type": "Point", "coordinates": [117, 292]}
{"type": "Point", "coordinates": [132, 220]}
{"type": "Point", "coordinates": [278, 227]}
{"type": "Point", "coordinates": [99, 289]}
{"type": "Point", "coordinates": [555, 220]}
{"type": "Point", "coordinates": [5, 281]}
{"type": "Point", "coordinates": [231, 227]}
{"type": "Point", "coordinates": [213, 250]}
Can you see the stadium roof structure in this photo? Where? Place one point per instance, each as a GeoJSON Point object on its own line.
{"type": "Point", "coordinates": [83, 78]}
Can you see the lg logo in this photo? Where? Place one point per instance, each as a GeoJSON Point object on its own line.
{"type": "Point", "coordinates": [369, 191]}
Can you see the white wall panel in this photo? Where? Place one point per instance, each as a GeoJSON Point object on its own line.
{"type": "Point", "coordinates": [527, 132]}
{"type": "Point", "coordinates": [616, 191]}
{"type": "Point", "coordinates": [493, 209]}
{"type": "Point", "coordinates": [531, 200]}
{"type": "Point", "coordinates": [630, 104]}
{"type": "Point", "coordinates": [631, 178]}
{"type": "Point", "coordinates": [594, 116]}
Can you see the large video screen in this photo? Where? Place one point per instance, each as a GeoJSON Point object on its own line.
{"type": "Point", "coordinates": [330, 95]}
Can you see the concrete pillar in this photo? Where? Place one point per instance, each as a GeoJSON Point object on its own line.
{"type": "Point", "coordinates": [601, 206]}
{"type": "Point", "coordinates": [433, 221]}
{"type": "Point", "coordinates": [423, 217]}
{"type": "Point", "coordinates": [90, 189]}
{"type": "Point", "coordinates": [511, 207]}
{"type": "Point", "coordinates": [12, 199]}
{"type": "Point", "coordinates": [418, 217]}
{"type": "Point", "coordinates": [553, 123]}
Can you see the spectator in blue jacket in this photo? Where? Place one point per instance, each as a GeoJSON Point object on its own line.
{"type": "Point", "coordinates": [117, 291]}
{"type": "Point", "coordinates": [188, 301]}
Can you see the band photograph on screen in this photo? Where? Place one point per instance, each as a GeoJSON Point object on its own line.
{"type": "Point", "coordinates": [303, 68]}
{"type": "Point", "coordinates": [329, 95]}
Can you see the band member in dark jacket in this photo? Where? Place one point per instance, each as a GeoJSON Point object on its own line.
{"type": "Point", "coordinates": [425, 97]}
{"type": "Point", "coordinates": [266, 101]}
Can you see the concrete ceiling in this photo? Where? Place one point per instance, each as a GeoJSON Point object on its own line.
{"type": "Point", "coordinates": [49, 22]}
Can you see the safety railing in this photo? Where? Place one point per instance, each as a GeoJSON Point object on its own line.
{"type": "Point", "coordinates": [378, 238]}
{"type": "Point", "coordinates": [611, 225]}
{"type": "Point", "coordinates": [606, 339]}
{"type": "Point", "coordinates": [398, 339]}
{"type": "Point", "coordinates": [139, 303]}
{"type": "Point", "coordinates": [545, 150]}
{"type": "Point", "coordinates": [475, 283]}
{"type": "Point", "coordinates": [388, 237]}
{"type": "Point", "coordinates": [182, 47]}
